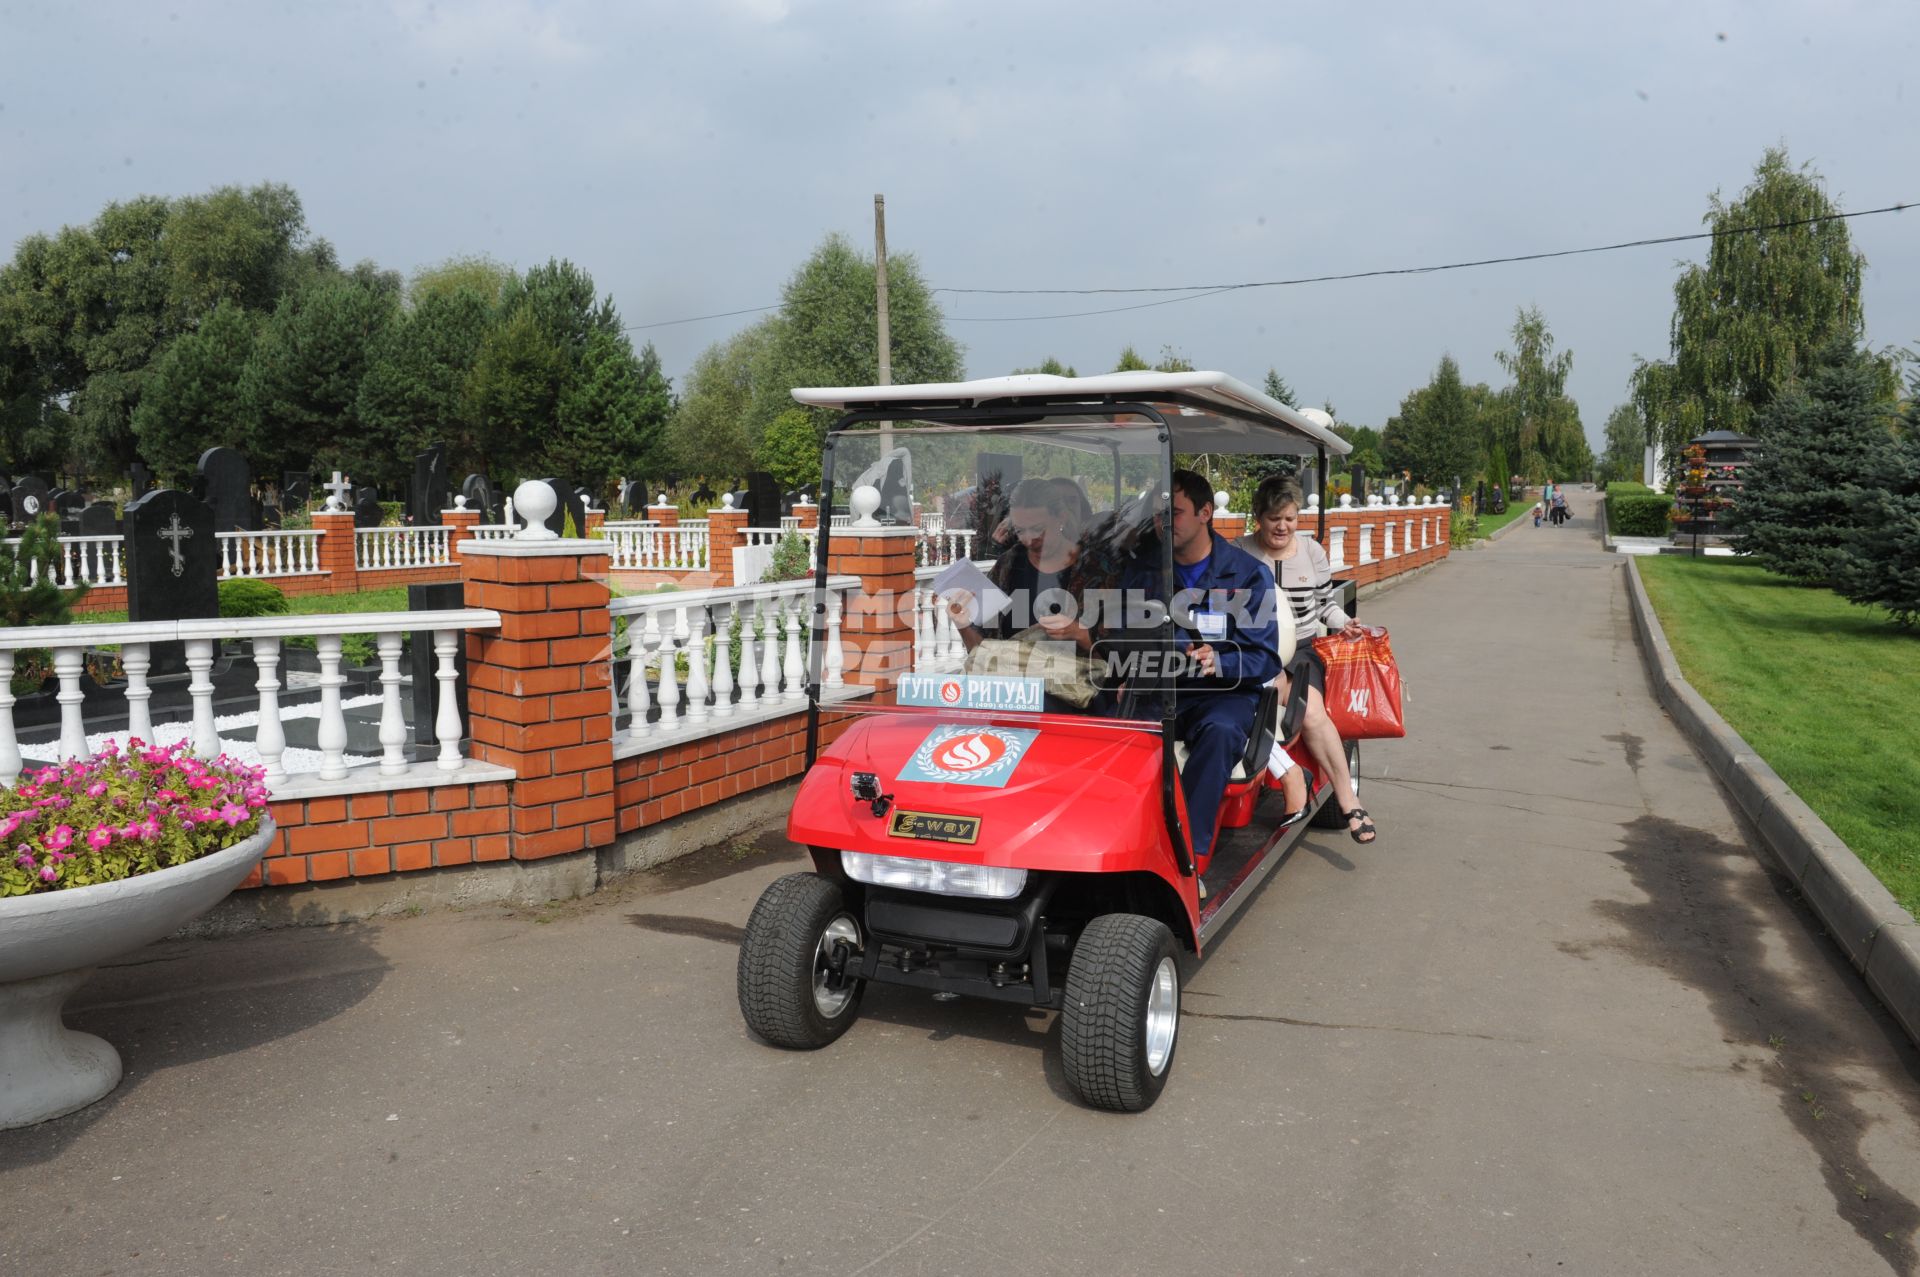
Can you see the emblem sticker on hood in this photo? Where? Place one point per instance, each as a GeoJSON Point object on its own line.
{"type": "Point", "coordinates": [966, 755]}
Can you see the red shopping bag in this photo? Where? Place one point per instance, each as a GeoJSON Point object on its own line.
{"type": "Point", "coordinates": [1363, 684]}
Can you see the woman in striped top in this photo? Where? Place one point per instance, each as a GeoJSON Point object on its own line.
{"type": "Point", "coordinates": [1304, 584]}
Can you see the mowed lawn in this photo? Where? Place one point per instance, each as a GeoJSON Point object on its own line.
{"type": "Point", "coordinates": [1827, 692]}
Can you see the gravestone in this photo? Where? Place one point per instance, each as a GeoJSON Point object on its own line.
{"type": "Point", "coordinates": [633, 498]}
{"type": "Point", "coordinates": [763, 500]}
{"type": "Point", "coordinates": [229, 489]}
{"type": "Point", "coordinates": [296, 490]}
{"type": "Point", "coordinates": [66, 501]}
{"type": "Point", "coordinates": [31, 499]}
{"type": "Point", "coordinates": [197, 487]}
{"type": "Point", "coordinates": [172, 566]}
{"type": "Point", "coordinates": [892, 474]}
{"type": "Point", "coordinates": [1479, 497]}
{"type": "Point", "coordinates": [478, 490]}
{"type": "Point", "coordinates": [429, 494]}
{"type": "Point", "coordinates": [96, 520]}
{"type": "Point", "coordinates": [704, 494]}
{"type": "Point", "coordinates": [1359, 485]}
{"type": "Point", "coordinates": [366, 507]}
{"type": "Point", "coordinates": [270, 516]}
{"type": "Point", "coordinates": [426, 687]}
{"type": "Point", "coordinates": [139, 481]}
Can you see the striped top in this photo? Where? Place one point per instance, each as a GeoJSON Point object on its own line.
{"type": "Point", "coordinates": [1305, 581]}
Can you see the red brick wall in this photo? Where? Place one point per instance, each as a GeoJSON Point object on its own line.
{"type": "Point", "coordinates": [402, 831]}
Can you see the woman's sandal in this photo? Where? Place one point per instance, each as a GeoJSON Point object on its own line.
{"type": "Point", "coordinates": [1366, 826]}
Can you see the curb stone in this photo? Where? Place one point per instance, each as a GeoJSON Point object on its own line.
{"type": "Point", "coordinates": [1880, 939]}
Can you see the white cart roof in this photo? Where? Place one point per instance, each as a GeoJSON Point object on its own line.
{"type": "Point", "coordinates": [1225, 405]}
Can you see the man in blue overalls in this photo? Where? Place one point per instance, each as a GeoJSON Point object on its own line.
{"type": "Point", "coordinates": [1224, 621]}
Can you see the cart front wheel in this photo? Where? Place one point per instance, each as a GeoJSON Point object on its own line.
{"type": "Point", "coordinates": [799, 945]}
{"type": "Point", "coordinates": [1121, 1019]}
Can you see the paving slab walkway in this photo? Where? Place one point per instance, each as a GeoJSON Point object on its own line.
{"type": "Point", "coordinates": [1558, 1019]}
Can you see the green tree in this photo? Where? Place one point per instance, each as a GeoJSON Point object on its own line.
{"type": "Point", "coordinates": [1130, 361]}
{"type": "Point", "coordinates": [513, 393]}
{"type": "Point", "coordinates": [708, 433]}
{"type": "Point", "coordinates": [303, 382]}
{"type": "Point", "coordinates": [195, 397]}
{"type": "Point", "coordinates": [1749, 321]}
{"type": "Point", "coordinates": [1277, 388]}
{"type": "Point", "coordinates": [826, 332]}
{"type": "Point", "coordinates": [790, 450]}
{"type": "Point", "coordinates": [1172, 360]}
{"type": "Point", "coordinates": [414, 393]}
{"type": "Point", "coordinates": [655, 415]}
{"type": "Point", "coordinates": [560, 297]}
{"type": "Point", "coordinates": [1434, 437]}
{"type": "Point", "coordinates": [599, 434]}
{"type": "Point", "coordinates": [476, 273]}
{"type": "Point", "coordinates": [1544, 424]}
{"type": "Point", "coordinates": [1626, 444]}
{"type": "Point", "coordinates": [1367, 448]}
{"type": "Point", "coordinates": [1820, 442]}
{"type": "Point", "coordinates": [1049, 365]}
{"type": "Point", "coordinates": [1881, 563]}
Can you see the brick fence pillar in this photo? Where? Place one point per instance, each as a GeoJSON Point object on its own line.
{"type": "Point", "coordinates": [1230, 526]}
{"type": "Point", "coordinates": [724, 533]}
{"type": "Point", "coordinates": [876, 628]}
{"type": "Point", "coordinates": [808, 514]}
{"type": "Point", "coordinates": [461, 523]}
{"type": "Point", "coordinates": [667, 516]}
{"type": "Point", "coordinates": [337, 550]}
{"type": "Point", "coordinates": [538, 695]}
{"type": "Point", "coordinates": [596, 519]}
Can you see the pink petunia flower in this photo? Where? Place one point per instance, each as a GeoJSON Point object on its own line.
{"type": "Point", "coordinates": [233, 814]}
{"type": "Point", "coordinates": [100, 837]}
{"type": "Point", "coordinates": [49, 874]}
{"type": "Point", "coordinates": [96, 789]}
{"type": "Point", "coordinates": [60, 839]}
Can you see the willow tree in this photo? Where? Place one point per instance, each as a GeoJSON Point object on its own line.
{"type": "Point", "coordinates": [1780, 281]}
{"type": "Point", "coordinates": [1544, 431]}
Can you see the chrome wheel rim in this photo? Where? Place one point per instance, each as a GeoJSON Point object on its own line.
{"type": "Point", "coordinates": [830, 1002]}
{"type": "Point", "coordinates": [1163, 1015]}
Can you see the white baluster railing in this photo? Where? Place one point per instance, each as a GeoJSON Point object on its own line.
{"type": "Point", "coordinates": [286, 552]}
{"type": "Point", "coordinates": [939, 548]}
{"type": "Point", "coordinates": [730, 651]}
{"type": "Point", "coordinates": [652, 548]}
{"type": "Point", "coordinates": [202, 639]}
{"type": "Point", "coordinates": [1337, 548]}
{"type": "Point", "coordinates": [423, 547]}
{"type": "Point", "coordinates": [92, 560]}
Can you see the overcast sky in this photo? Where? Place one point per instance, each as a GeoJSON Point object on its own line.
{"type": "Point", "coordinates": [691, 155]}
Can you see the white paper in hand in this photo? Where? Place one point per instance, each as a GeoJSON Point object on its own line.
{"type": "Point", "coordinates": [989, 600]}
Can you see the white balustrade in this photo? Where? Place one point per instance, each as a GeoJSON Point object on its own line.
{"type": "Point", "coordinates": [694, 656]}
{"type": "Point", "coordinates": [423, 547]}
{"type": "Point", "coordinates": [1337, 550]}
{"type": "Point", "coordinates": [937, 548]}
{"type": "Point", "coordinates": [652, 548]}
{"type": "Point", "coordinates": [286, 552]}
{"type": "Point", "coordinates": [91, 560]}
{"type": "Point", "coordinates": [1366, 543]}
{"type": "Point", "coordinates": [202, 639]}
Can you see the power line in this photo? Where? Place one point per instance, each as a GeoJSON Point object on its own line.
{"type": "Point", "coordinates": [1193, 292]}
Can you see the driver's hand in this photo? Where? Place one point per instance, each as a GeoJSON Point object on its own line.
{"type": "Point", "coordinates": [1204, 655]}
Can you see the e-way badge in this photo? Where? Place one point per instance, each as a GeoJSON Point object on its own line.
{"type": "Point", "coordinates": [965, 755]}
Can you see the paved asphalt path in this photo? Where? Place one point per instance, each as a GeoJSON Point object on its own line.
{"type": "Point", "coordinates": [1556, 1020]}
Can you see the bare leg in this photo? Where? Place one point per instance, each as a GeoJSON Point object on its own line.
{"type": "Point", "coordinates": [1323, 742]}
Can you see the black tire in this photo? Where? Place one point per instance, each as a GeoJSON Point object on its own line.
{"type": "Point", "coordinates": [783, 993]}
{"type": "Point", "coordinates": [1327, 815]}
{"type": "Point", "coordinates": [1117, 1054]}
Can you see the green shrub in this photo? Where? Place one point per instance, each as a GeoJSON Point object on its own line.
{"type": "Point", "coordinates": [27, 601]}
{"type": "Point", "coordinates": [1627, 487]}
{"type": "Point", "coordinates": [789, 561]}
{"type": "Point", "coordinates": [392, 513]}
{"type": "Point", "coordinates": [251, 598]}
{"type": "Point", "coordinates": [1639, 515]}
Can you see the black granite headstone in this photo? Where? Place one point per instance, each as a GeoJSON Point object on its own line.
{"type": "Point", "coordinates": [763, 500]}
{"type": "Point", "coordinates": [704, 494]}
{"type": "Point", "coordinates": [229, 489]}
{"type": "Point", "coordinates": [366, 507]}
{"type": "Point", "coordinates": [96, 520]}
{"type": "Point", "coordinates": [566, 500]}
{"type": "Point", "coordinates": [66, 501]}
{"type": "Point", "coordinates": [139, 480]}
{"type": "Point", "coordinates": [1359, 485]}
{"type": "Point", "coordinates": [296, 490]}
{"type": "Point", "coordinates": [31, 499]}
{"type": "Point", "coordinates": [270, 498]}
{"type": "Point", "coordinates": [429, 494]}
{"type": "Point", "coordinates": [172, 565]}
{"type": "Point", "coordinates": [426, 687]}
{"type": "Point", "coordinates": [478, 490]}
{"type": "Point", "coordinates": [633, 497]}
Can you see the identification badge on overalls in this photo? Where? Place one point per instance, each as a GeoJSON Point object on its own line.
{"type": "Point", "coordinates": [1210, 625]}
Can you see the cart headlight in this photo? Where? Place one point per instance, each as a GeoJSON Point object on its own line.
{"type": "Point", "coordinates": [983, 881]}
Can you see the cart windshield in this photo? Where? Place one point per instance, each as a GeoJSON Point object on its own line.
{"type": "Point", "coordinates": [1013, 569]}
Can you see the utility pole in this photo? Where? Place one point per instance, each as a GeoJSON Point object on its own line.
{"type": "Point", "coordinates": [880, 306]}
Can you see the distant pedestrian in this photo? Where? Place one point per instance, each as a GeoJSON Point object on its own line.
{"type": "Point", "coordinates": [1560, 512]}
{"type": "Point", "coordinates": [1538, 510]}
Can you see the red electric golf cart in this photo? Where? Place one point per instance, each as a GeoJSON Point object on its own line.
{"type": "Point", "coordinates": [998, 812]}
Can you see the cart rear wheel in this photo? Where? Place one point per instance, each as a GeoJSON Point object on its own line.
{"type": "Point", "coordinates": [1121, 1018]}
{"type": "Point", "coordinates": [1328, 815]}
{"type": "Point", "coordinates": [798, 942]}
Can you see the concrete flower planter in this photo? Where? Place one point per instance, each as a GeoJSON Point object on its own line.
{"type": "Point", "coordinates": [50, 944]}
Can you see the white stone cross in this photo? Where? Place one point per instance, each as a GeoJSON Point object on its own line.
{"type": "Point", "coordinates": [176, 532]}
{"type": "Point", "coordinates": [339, 488]}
